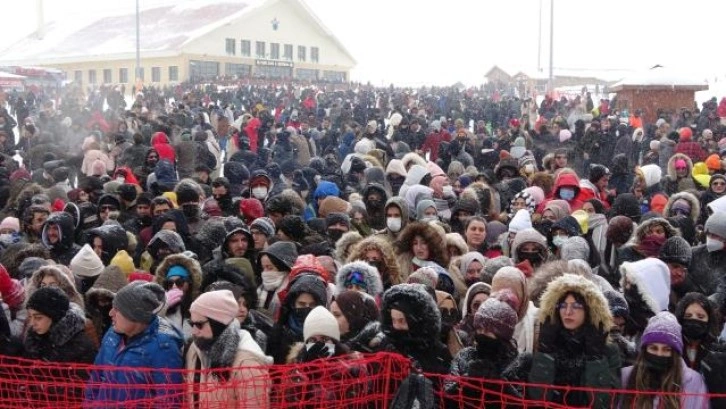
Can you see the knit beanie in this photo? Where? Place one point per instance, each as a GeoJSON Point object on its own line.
{"type": "Point", "coordinates": [321, 322]}
{"type": "Point", "coordinates": [617, 304]}
{"type": "Point", "coordinates": [597, 172]}
{"type": "Point", "coordinates": [497, 317]}
{"type": "Point", "coordinates": [713, 162]}
{"type": "Point", "coordinates": [11, 223]}
{"type": "Point", "coordinates": [663, 328]}
{"type": "Point", "coordinates": [293, 227]}
{"type": "Point", "coordinates": [575, 248]}
{"type": "Point", "coordinates": [492, 265]}
{"type": "Point", "coordinates": [29, 265]}
{"type": "Point", "coordinates": [220, 306]}
{"type": "Point", "coordinates": [358, 308]}
{"type": "Point", "coordinates": [49, 301]}
{"type": "Point", "coordinates": [140, 301]}
{"type": "Point", "coordinates": [186, 192]}
{"type": "Point", "coordinates": [716, 224]}
{"type": "Point", "coordinates": [620, 229]}
{"type": "Point", "coordinates": [536, 193]}
{"type": "Point", "coordinates": [424, 275]}
{"type": "Point", "coordinates": [251, 209]}
{"type": "Point", "coordinates": [86, 263]}
{"type": "Point", "coordinates": [494, 229]}
{"type": "Point", "coordinates": [676, 250]}
{"type": "Point", "coordinates": [123, 261]}
{"type": "Point", "coordinates": [685, 134]}
{"type": "Point", "coordinates": [265, 225]}
{"type": "Point", "coordinates": [337, 218]}
{"type": "Point", "coordinates": [521, 221]}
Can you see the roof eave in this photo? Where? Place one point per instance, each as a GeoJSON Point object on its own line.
{"type": "Point", "coordinates": [627, 87]}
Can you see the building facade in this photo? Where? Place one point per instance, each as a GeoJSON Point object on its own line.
{"type": "Point", "coordinates": [274, 39]}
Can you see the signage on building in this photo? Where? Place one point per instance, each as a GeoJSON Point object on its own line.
{"type": "Point", "coordinates": [274, 63]}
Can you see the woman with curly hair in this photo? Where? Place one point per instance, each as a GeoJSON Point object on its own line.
{"type": "Point", "coordinates": [700, 322]}
{"type": "Point", "coordinates": [379, 253]}
{"type": "Point", "coordinates": [420, 245]}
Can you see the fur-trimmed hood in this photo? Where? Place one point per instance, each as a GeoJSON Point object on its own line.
{"type": "Point", "coordinates": [671, 170]}
{"type": "Point", "coordinates": [107, 284]}
{"type": "Point", "coordinates": [419, 307]}
{"type": "Point", "coordinates": [642, 229]}
{"type": "Point", "coordinates": [64, 280]}
{"type": "Point", "coordinates": [62, 331]}
{"type": "Point", "coordinates": [455, 240]}
{"type": "Point", "coordinates": [550, 271]}
{"type": "Point", "coordinates": [692, 201]}
{"type": "Point", "coordinates": [412, 158]}
{"type": "Point", "coordinates": [476, 288]}
{"type": "Point", "coordinates": [191, 265]}
{"type": "Point", "coordinates": [597, 304]}
{"type": "Point", "coordinates": [369, 274]}
{"type": "Point", "coordinates": [343, 245]}
{"type": "Point", "coordinates": [653, 279]}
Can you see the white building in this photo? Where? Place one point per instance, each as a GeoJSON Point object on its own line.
{"type": "Point", "coordinates": [192, 41]}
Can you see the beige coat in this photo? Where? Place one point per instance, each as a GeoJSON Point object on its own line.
{"type": "Point", "coordinates": [248, 386]}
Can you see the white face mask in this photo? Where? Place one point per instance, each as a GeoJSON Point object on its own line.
{"type": "Point", "coordinates": [713, 245]}
{"type": "Point", "coordinates": [448, 190]}
{"type": "Point", "coordinates": [393, 224]}
{"type": "Point", "coordinates": [271, 280]}
{"type": "Point", "coordinates": [558, 241]}
{"type": "Point", "coordinates": [259, 192]}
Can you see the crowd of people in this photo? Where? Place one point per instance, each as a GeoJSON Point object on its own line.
{"type": "Point", "coordinates": [565, 243]}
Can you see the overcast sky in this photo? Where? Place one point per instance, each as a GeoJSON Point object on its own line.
{"type": "Point", "coordinates": [421, 42]}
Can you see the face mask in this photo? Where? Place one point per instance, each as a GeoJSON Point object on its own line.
{"type": "Point", "coordinates": [335, 235]}
{"type": "Point", "coordinates": [471, 281]}
{"type": "Point", "coordinates": [300, 314]}
{"type": "Point", "coordinates": [204, 344]}
{"type": "Point", "coordinates": [658, 364]}
{"type": "Point", "coordinates": [400, 336]}
{"type": "Point", "coordinates": [694, 329]}
{"type": "Point", "coordinates": [534, 258]}
{"type": "Point", "coordinates": [558, 241]}
{"type": "Point", "coordinates": [374, 204]}
{"type": "Point", "coordinates": [486, 346]}
{"type": "Point", "coordinates": [190, 211]}
{"type": "Point", "coordinates": [271, 280]}
{"type": "Point", "coordinates": [146, 220]}
{"type": "Point", "coordinates": [448, 190]}
{"type": "Point", "coordinates": [713, 245]}
{"type": "Point", "coordinates": [378, 264]}
{"type": "Point", "coordinates": [567, 193]}
{"type": "Point", "coordinates": [448, 320]}
{"type": "Point", "coordinates": [259, 192]}
{"type": "Point", "coordinates": [651, 245]}
{"type": "Point", "coordinates": [7, 238]}
{"type": "Point", "coordinates": [393, 224]}
{"type": "Point", "coordinates": [323, 349]}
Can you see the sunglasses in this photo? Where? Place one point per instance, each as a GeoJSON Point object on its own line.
{"type": "Point", "coordinates": [197, 324]}
{"type": "Point", "coordinates": [575, 306]}
{"type": "Point", "coordinates": [108, 208]}
{"type": "Point", "coordinates": [171, 282]}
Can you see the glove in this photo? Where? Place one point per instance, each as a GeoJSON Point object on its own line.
{"type": "Point", "coordinates": [11, 290]}
{"type": "Point", "coordinates": [595, 341]}
{"type": "Point", "coordinates": [548, 336]}
{"type": "Point", "coordinates": [317, 351]}
{"type": "Point", "coordinates": [173, 297]}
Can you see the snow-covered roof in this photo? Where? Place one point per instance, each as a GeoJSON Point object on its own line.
{"type": "Point", "coordinates": [661, 77]}
{"type": "Point", "coordinates": [164, 30]}
{"type": "Point", "coordinates": [8, 75]}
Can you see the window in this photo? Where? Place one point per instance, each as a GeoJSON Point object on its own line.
{"type": "Point", "coordinates": [155, 74]}
{"type": "Point", "coordinates": [246, 48]}
{"type": "Point", "coordinates": [173, 73]}
{"type": "Point", "coordinates": [203, 69]}
{"type": "Point", "coordinates": [314, 54]}
{"type": "Point", "coordinates": [141, 73]}
{"type": "Point", "coordinates": [107, 74]}
{"type": "Point", "coordinates": [274, 51]}
{"type": "Point", "coordinates": [306, 74]}
{"type": "Point", "coordinates": [273, 72]}
{"type": "Point", "coordinates": [260, 49]}
{"type": "Point", "coordinates": [91, 76]}
{"type": "Point", "coordinates": [123, 75]}
{"type": "Point", "coordinates": [230, 46]}
{"type": "Point", "coordinates": [78, 76]}
{"type": "Point", "coordinates": [301, 53]}
{"type": "Point", "coordinates": [287, 54]}
{"type": "Point", "coordinates": [337, 76]}
{"type": "Point", "coordinates": [240, 70]}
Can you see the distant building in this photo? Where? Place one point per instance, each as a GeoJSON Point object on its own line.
{"type": "Point", "coordinates": [274, 39]}
{"type": "Point", "coordinates": [535, 82]}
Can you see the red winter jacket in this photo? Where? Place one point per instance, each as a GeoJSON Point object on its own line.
{"type": "Point", "coordinates": [160, 142]}
{"type": "Point", "coordinates": [691, 149]}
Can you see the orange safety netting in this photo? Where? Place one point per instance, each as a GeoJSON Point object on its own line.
{"type": "Point", "coordinates": [369, 382]}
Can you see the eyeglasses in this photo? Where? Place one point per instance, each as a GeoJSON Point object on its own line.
{"type": "Point", "coordinates": [108, 208]}
{"type": "Point", "coordinates": [197, 324]}
{"type": "Point", "coordinates": [575, 306]}
{"type": "Point", "coordinates": [171, 282]}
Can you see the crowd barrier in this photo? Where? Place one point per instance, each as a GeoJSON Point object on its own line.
{"type": "Point", "coordinates": [369, 382]}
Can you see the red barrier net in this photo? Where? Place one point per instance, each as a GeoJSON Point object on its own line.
{"type": "Point", "coordinates": [369, 382]}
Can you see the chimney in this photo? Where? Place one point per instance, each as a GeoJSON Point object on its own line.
{"type": "Point", "coordinates": [40, 29]}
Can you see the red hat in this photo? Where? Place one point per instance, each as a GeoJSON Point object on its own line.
{"type": "Point", "coordinates": [685, 133]}
{"type": "Point", "coordinates": [141, 275]}
{"type": "Point", "coordinates": [251, 209]}
{"type": "Point", "coordinates": [514, 122]}
{"type": "Point", "coordinates": [58, 205]}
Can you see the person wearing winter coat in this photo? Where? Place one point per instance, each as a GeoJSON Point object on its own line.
{"type": "Point", "coordinates": [678, 174]}
{"type": "Point", "coordinates": [99, 297]}
{"type": "Point", "coordinates": [646, 285]}
{"type": "Point", "coordinates": [688, 147]}
{"type": "Point", "coordinates": [358, 319]}
{"type": "Point", "coordinates": [594, 187]}
{"type": "Point", "coordinates": [491, 356]}
{"type": "Point", "coordinates": [160, 142]}
{"type": "Point", "coordinates": [56, 333]}
{"type": "Point", "coordinates": [233, 366]}
{"type": "Point", "coordinates": [359, 276]}
{"type": "Point", "coordinates": [92, 153]}
{"type": "Point", "coordinates": [397, 218]}
{"type": "Point", "coordinates": [58, 235]}
{"type": "Point", "coordinates": [379, 253]}
{"type": "Point", "coordinates": [513, 280]}
{"type": "Point", "coordinates": [647, 240]}
{"type": "Point", "coordinates": [138, 339]}
{"type": "Point", "coordinates": [420, 245]}
{"type": "Point", "coordinates": [476, 294]}
{"type": "Point", "coordinates": [573, 347]}
{"type": "Point", "coordinates": [181, 278]}
{"type": "Point", "coordinates": [411, 326]}
{"type": "Point", "coordinates": [708, 261]}
{"type": "Point", "coordinates": [659, 367]}
{"type": "Point", "coordinates": [306, 292]}
{"type": "Point", "coordinates": [276, 261]}
{"type": "Point", "coordinates": [716, 190]}
{"type": "Point", "coordinates": [701, 323]}
{"type": "Point", "coordinates": [107, 240]}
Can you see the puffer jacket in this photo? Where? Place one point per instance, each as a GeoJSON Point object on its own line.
{"type": "Point", "coordinates": [671, 182]}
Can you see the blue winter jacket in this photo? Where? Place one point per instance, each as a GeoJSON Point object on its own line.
{"type": "Point", "coordinates": [158, 347]}
{"type": "Point", "coordinates": [323, 190]}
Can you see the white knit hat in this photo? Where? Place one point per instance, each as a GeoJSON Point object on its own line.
{"type": "Point", "coordinates": [520, 221]}
{"type": "Point", "coordinates": [220, 306]}
{"type": "Point", "coordinates": [86, 263]}
{"type": "Point", "coordinates": [321, 322]}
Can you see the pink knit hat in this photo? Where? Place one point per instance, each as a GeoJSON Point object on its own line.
{"type": "Point", "coordinates": [98, 168]}
{"type": "Point", "coordinates": [10, 223]}
{"type": "Point", "coordinates": [220, 306]}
